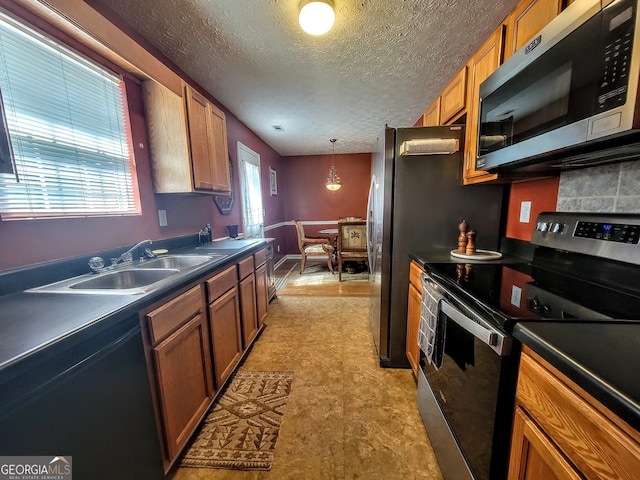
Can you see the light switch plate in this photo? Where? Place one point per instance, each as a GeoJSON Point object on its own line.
{"type": "Point", "coordinates": [525, 212]}
{"type": "Point", "coordinates": [516, 295]}
{"type": "Point", "coordinates": [162, 217]}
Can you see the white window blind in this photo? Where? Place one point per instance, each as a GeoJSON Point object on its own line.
{"type": "Point", "coordinates": [67, 122]}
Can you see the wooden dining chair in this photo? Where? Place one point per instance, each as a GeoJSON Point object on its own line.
{"type": "Point", "coordinates": [313, 247]}
{"type": "Point", "coordinates": [352, 243]}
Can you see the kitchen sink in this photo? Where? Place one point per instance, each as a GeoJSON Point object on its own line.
{"type": "Point", "coordinates": [179, 261]}
{"type": "Point", "coordinates": [125, 279]}
{"type": "Point", "coordinates": [136, 279]}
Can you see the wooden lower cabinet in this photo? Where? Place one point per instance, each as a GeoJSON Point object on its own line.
{"type": "Point", "coordinates": [248, 309]}
{"type": "Point", "coordinates": [413, 316]}
{"type": "Point", "coordinates": [534, 455]}
{"type": "Point", "coordinates": [413, 326]}
{"type": "Point", "coordinates": [262, 293]}
{"type": "Point", "coordinates": [560, 431]}
{"type": "Point", "coordinates": [224, 323]}
{"type": "Point", "coordinates": [190, 354]}
{"type": "Point", "coordinates": [178, 341]}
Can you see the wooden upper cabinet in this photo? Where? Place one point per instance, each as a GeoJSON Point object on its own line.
{"type": "Point", "coordinates": [199, 139]}
{"type": "Point", "coordinates": [431, 116]}
{"type": "Point", "coordinates": [526, 20]}
{"type": "Point", "coordinates": [450, 104]}
{"type": "Point", "coordinates": [188, 141]}
{"type": "Point", "coordinates": [483, 63]}
{"type": "Point", "coordinates": [168, 141]}
{"type": "Point", "coordinates": [453, 98]}
{"type": "Point", "coordinates": [208, 139]}
{"type": "Point", "coordinates": [220, 150]}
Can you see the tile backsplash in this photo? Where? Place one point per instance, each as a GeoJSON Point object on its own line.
{"type": "Point", "coordinates": [608, 188]}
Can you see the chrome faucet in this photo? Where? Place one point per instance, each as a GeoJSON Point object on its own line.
{"type": "Point", "coordinates": [127, 256]}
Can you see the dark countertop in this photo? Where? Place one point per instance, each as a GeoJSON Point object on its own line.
{"type": "Point", "coordinates": [602, 358]}
{"type": "Point", "coordinates": [513, 252]}
{"type": "Point", "coordinates": [31, 323]}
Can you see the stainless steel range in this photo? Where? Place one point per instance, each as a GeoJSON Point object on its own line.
{"type": "Point", "coordinates": [585, 267]}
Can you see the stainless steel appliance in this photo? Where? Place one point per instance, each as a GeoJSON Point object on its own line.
{"type": "Point", "coordinates": [416, 202]}
{"type": "Point", "coordinates": [569, 98]}
{"type": "Point", "coordinates": [585, 267]}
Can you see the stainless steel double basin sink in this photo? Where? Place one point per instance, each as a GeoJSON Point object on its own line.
{"type": "Point", "coordinates": [134, 279]}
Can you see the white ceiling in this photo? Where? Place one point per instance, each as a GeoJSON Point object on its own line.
{"type": "Point", "coordinates": [383, 62]}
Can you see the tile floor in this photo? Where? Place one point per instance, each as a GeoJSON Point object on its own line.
{"type": "Point", "coordinates": [346, 417]}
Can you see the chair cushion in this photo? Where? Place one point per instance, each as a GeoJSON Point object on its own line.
{"type": "Point", "coordinates": [317, 249]}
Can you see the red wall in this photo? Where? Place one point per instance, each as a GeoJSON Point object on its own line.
{"type": "Point", "coordinates": [543, 195]}
{"type": "Point", "coordinates": [307, 199]}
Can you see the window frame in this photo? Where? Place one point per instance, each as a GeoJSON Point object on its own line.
{"type": "Point", "coordinates": [96, 61]}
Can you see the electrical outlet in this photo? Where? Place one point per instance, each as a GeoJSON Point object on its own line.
{"type": "Point", "coordinates": [525, 212]}
{"type": "Point", "coordinates": [162, 217]}
{"type": "Point", "coordinates": [516, 295]}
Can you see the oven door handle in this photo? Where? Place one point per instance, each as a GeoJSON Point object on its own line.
{"type": "Point", "coordinates": [498, 341]}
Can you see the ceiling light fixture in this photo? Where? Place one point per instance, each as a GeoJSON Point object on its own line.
{"type": "Point", "coordinates": [333, 180]}
{"type": "Point", "coordinates": [316, 16]}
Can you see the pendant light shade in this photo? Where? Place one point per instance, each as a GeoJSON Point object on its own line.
{"type": "Point", "coordinates": [333, 180]}
{"type": "Point", "coordinates": [316, 16]}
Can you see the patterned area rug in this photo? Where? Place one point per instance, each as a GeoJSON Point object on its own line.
{"type": "Point", "coordinates": [241, 431]}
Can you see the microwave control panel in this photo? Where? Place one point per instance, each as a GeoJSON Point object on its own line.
{"type": "Point", "coordinates": [620, 23]}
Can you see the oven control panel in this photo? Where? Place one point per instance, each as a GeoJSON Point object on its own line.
{"type": "Point", "coordinates": [612, 232]}
{"type": "Point", "coordinates": [607, 235]}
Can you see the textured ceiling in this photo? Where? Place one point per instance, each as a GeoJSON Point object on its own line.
{"type": "Point", "coordinates": [383, 62]}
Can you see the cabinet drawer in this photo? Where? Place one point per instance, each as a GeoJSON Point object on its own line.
{"type": "Point", "coordinates": [260, 257]}
{"type": "Point", "coordinates": [597, 446]}
{"type": "Point", "coordinates": [221, 283]}
{"type": "Point", "coordinates": [245, 267]}
{"type": "Point", "coordinates": [169, 316]}
{"type": "Point", "coordinates": [414, 276]}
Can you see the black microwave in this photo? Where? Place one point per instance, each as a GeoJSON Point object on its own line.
{"type": "Point", "coordinates": [569, 98]}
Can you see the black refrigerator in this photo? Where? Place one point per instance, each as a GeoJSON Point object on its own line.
{"type": "Point", "coordinates": [416, 201]}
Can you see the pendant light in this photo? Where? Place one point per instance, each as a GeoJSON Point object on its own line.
{"type": "Point", "coordinates": [316, 16]}
{"type": "Point", "coordinates": [333, 180]}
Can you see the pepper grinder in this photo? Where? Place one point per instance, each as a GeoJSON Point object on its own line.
{"type": "Point", "coordinates": [471, 242]}
{"type": "Point", "coordinates": [462, 238]}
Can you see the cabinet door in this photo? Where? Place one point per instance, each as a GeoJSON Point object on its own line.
{"type": "Point", "coordinates": [431, 117]}
{"type": "Point", "coordinates": [199, 137]}
{"type": "Point", "coordinates": [526, 20]}
{"type": "Point", "coordinates": [183, 372]}
{"type": "Point", "coordinates": [483, 63]}
{"type": "Point", "coordinates": [224, 324]}
{"type": "Point", "coordinates": [248, 309]}
{"type": "Point", "coordinates": [413, 326]}
{"type": "Point", "coordinates": [262, 293]}
{"type": "Point", "coordinates": [168, 139]}
{"type": "Point", "coordinates": [534, 455]}
{"type": "Point", "coordinates": [453, 97]}
{"type": "Point", "coordinates": [219, 150]}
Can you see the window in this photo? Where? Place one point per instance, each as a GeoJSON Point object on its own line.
{"type": "Point", "coordinates": [251, 191]}
{"type": "Point", "coordinates": [68, 128]}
